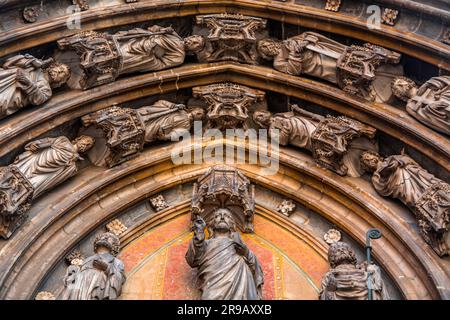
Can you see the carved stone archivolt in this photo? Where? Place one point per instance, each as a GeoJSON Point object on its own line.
{"type": "Point", "coordinates": [223, 187]}
{"type": "Point", "coordinates": [348, 280]}
{"type": "Point", "coordinates": [228, 104]}
{"type": "Point", "coordinates": [335, 142]}
{"type": "Point", "coordinates": [100, 276]}
{"type": "Point", "coordinates": [429, 104]}
{"type": "Point", "coordinates": [231, 37]}
{"type": "Point", "coordinates": [122, 132]}
{"type": "Point", "coordinates": [400, 177]}
{"type": "Point", "coordinates": [45, 164]}
{"type": "Point", "coordinates": [98, 58]}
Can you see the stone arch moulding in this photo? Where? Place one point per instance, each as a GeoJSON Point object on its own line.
{"type": "Point", "coordinates": [98, 195]}
{"type": "Point", "coordinates": [411, 44]}
{"type": "Point", "coordinates": [33, 122]}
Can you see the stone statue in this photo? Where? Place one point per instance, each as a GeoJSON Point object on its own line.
{"type": "Point", "coordinates": [25, 80]}
{"type": "Point", "coordinates": [99, 58]}
{"type": "Point", "coordinates": [99, 277]}
{"type": "Point", "coordinates": [429, 104]}
{"type": "Point", "coordinates": [44, 164]}
{"type": "Point", "coordinates": [347, 280]}
{"type": "Point", "coordinates": [358, 70]}
{"type": "Point", "coordinates": [400, 177]}
{"type": "Point", "coordinates": [335, 142]}
{"type": "Point", "coordinates": [227, 269]}
{"type": "Point", "coordinates": [48, 162]}
{"type": "Point", "coordinates": [122, 132]}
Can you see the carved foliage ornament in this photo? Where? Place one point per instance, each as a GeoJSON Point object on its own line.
{"type": "Point", "coordinates": [389, 16]}
{"type": "Point", "coordinates": [333, 5]}
{"type": "Point", "coordinates": [159, 203]}
{"type": "Point", "coordinates": [332, 236]}
{"type": "Point", "coordinates": [82, 4]}
{"type": "Point", "coordinates": [286, 207]}
{"type": "Point", "coordinates": [117, 227]}
{"type": "Point", "coordinates": [30, 14]}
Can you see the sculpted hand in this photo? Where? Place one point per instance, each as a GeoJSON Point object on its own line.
{"type": "Point", "coordinates": [23, 78]}
{"type": "Point", "coordinates": [33, 147]}
{"type": "Point", "coordinates": [100, 265]}
{"type": "Point", "coordinates": [199, 223]}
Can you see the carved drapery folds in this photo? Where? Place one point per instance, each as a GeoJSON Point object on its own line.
{"type": "Point", "coordinates": [335, 142]}
{"type": "Point", "coordinates": [231, 37]}
{"type": "Point", "coordinates": [359, 70]}
{"type": "Point", "coordinates": [223, 187]}
{"type": "Point", "coordinates": [222, 201]}
{"type": "Point", "coordinates": [228, 104]}
{"type": "Point", "coordinates": [428, 197]}
{"type": "Point", "coordinates": [44, 164]}
{"type": "Point", "coordinates": [122, 132]}
{"type": "Point", "coordinates": [25, 80]}
{"type": "Point", "coordinates": [98, 58]}
{"type": "Point", "coordinates": [348, 280]}
{"type": "Point", "coordinates": [429, 104]}
{"type": "Point", "coordinates": [99, 277]}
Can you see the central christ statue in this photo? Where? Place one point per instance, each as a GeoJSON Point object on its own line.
{"type": "Point", "coordinates": [227, 269]}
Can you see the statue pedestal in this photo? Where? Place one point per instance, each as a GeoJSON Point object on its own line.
{"type": "Point", "coordinates": [16, 193]}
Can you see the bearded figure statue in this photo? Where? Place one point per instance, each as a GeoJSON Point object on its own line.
{"type": "Point", "coordinates": [201, 47]}
{"type": "Point", "coordinates": [400, 177]}
{"type": "Point", "coordinates": [48, 162]}
{"type": "Point", "coordinates": [336, 143]}
{"type": "Point", "coordinates": [100, 277]}
{"type": "Point", "coordinates": [25, 80]}
{"type": "Point", "coordinates": [359, 70]}
{"type": "Point", "coordinates": [347, 280]}
{"type": "Point", "coordinates": [429, 104]}
{"type": "Point", "coordinates": [227, 268]}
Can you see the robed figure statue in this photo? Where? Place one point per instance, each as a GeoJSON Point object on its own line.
{"type": "Point", "coordinates": [100, 277]}
{"type": "Point", "coordinates": [227, 269]}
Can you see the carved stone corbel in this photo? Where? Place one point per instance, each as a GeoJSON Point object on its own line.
{"type": "Point", "coordinates": [228, 104]}
{"type": "Point", "coordinates": [433, 217]}
{"type": "Point", "coordinates": [223, 187]}
{"type": "Point", "coordinates": [332, 137]}
{"type": "Point", "coordinates": [122, 130]}
{"type": "Point", "coordinates": [356, 67]}
{"type": "Point", "coordinates": [232, 37]}
{"type": "Point", "coordinates": [16, 194]}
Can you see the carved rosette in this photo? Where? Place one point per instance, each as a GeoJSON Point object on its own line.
{"type": "Point", "coordinates": [16, 194]}
{"type": "Point", "coordinates": [159, 203]}
{"type": "Point", "coordinates": [389, 16]}
{"type": "Point", "coordinates": [99, 56]}
{"type": "Point", "coordinates": [333, 5]}
{"type": "Point", "coordinates": [123, 130]}
{"type": "Point", "coordinates": [357, 66]}
{"type": "Point", "coordinates": [82, 4]}
{"type": "Point", "coordinates": [117, 227]}
{"type": "Point", "coordinates": [232, 36]}
{"type": "Point", "coordinates": [286, 207]}
{"type": "Point", "coordinates": [228, 104]}
{"type": "Point", "coordinates": [331, 139]}
{"type": "Point", "coordinates": [433, 215]}
{"type": "Point", "coordinates": [30, 14]}
{"type": "Point", "coordinates": [223, 187]}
